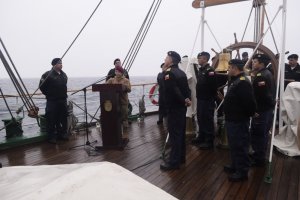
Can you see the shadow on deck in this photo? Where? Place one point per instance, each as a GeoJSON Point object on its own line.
{"type": "Point", "coordinates": [202, 176]}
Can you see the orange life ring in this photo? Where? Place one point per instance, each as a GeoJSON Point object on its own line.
{"type": "Point", "coordinates": [153, 93]}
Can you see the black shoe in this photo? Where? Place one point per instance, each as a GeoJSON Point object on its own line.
{"type": "Point", "coordinates": [229, 169]}
{"type": "Point", "coordinates": [159, 122]}
{"type": "Point", "coordinates": [238, 177]}
{"type": "Point", "coordinates": [257, 163]}
{"type": "Point", "coordinates": [63, 138]}
{"type": "Point", "coordinates": [182, 161]}
{"type": "Point", "coordinates": [168, 167]}
{"type": "Point", "coordinates": [52, 141]}
{"type": "Point", "coordinates": [196, 141]}
{"type": "Point", "coordinates": [206, 146]}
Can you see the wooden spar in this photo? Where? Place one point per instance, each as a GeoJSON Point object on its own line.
{"type": "Point", "coordinates": [207, 3]}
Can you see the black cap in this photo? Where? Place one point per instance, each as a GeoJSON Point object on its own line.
{"type": "Point", "coordinates": [55, 61]}
{"type": "Point", "coordinates": [244, 54]}
{"type": "Point", "coordinates": [117, 59]}
{"type": "Point", "coordinates": [237, 62]}
{"type": "Point", "coordinates": [175, 57]}
{"type": "Point", "coordinates": [203, 53]}
{"type": "Point", "coordinates": [262, 58]}
{"type": "Point", "coordinates": [293, 56]}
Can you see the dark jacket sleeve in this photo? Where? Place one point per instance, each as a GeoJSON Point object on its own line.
{"type": "Point", "coordinates": [43, 85]}
{"type": "Point", "coordinates": [110, 74]}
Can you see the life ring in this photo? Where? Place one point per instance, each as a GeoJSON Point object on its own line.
{"type": "Point", "coordinates": [153, 93]}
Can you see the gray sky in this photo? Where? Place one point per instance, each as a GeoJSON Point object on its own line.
{"type": "Point", "coordinates": [35, 31]}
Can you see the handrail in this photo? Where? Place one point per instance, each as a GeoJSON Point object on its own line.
{"type": "Point", "coordinates": [73, 90]}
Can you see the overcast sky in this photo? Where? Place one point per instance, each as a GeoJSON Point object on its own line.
{"type": "Point", "coordinates": [36, 31]}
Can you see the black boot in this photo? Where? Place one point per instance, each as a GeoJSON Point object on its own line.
{"type": "Point", "coordinates": [206, 145]}
{"type": "Point", "coordinates": [238, 177]}
{"type": "Point", "coordinates": [229, 169]}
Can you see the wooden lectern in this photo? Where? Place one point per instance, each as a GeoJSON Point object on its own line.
{"type": "Point", "coordinates": [110, 115]}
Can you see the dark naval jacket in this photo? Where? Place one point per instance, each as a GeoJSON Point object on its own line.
{"type": "Point", "coordinates": [55, 85]}
{"type": "Point", "coordinates": [206, 88]}
{"type": "Point", "coordinates": [264, 90]}
{"type": "Point", "coordinates": [293, 74]}
{"type": "Point", "coordinates": [176, 87]}
{"type": "Point", "coordinates": [239, 102]}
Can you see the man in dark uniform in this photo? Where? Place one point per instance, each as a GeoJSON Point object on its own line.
{"type": "Point", "coordinates": [53, 85]}
{"type": "Point", "coordinates": [206, 90]}
{"type": "Point", "coordinates": [239, 106]}
{"type": "Point", "coordinates": [177, 96]}
{"type": "Point", "coordinates": [161, 102]}
{"type": "Point", "coordinates": [264, 91]}
{"type": "Point", "coordinates": [292, 70]}
{"type": "Point", "coordinates": [112, 74]}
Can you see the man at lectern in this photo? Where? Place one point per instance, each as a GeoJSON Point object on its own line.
{"type": "Point", "coordinates": [120, 79]}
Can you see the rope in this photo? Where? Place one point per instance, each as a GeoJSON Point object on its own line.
{"type": "Point", "coordinates": [213, 36]}
{"type": "Point", "coordinates": [247, 24]}
{"type": "Point", "coordinates": [196, 38]}
{"type": "Point", "coordinates": [82, 29]}
{"type": "Point", "coordinates": [145, 32]}
{"type": "Point", "coordinates": [137, 36]}
{"type": "Point", "coordinates": [271, 29]}
{"type": "Point", "coordinates": [29, 101]}
{"type": "Point", "coordinates": [141, 35]}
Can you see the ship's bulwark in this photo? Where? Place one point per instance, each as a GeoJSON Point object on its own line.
{"type": "Point", "coordinates": [201, 177]}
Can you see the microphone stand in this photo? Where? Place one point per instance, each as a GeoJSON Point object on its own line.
{"type": "Point", "coordinates": [87, 143]}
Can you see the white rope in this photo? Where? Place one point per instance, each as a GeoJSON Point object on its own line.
{"type": "Point", "coordinates": [213, 35]}
{"type": "Point", "coordinates": [196, 38]}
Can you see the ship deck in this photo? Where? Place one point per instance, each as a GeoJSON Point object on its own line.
{"type": "Point", "coordinates": [201, 177]}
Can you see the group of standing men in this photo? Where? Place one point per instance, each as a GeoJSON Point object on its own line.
{"type": "Point", "coordinates": [244, 99]}
{"type": "Point", "coordinates": [53, 85]}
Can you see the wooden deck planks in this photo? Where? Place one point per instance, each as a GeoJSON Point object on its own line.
{"type": "Point", "coordinates": [201, 177]}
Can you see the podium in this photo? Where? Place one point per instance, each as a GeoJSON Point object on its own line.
{"type": "Point", "coordinates": [110, 118]}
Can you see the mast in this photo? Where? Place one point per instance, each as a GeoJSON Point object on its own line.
{"type": "Point", "coordinates": [202, 24]}
{"type": "Point", "coordinates": [258, 20]}
{"type": "Point", "coordinates": [206, 3]}
{"type": "Point", "coordinates": [281, 58]}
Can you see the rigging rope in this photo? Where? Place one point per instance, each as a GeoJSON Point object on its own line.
{"type": "Point", "coordinates": [271, 29]}
{"type": "Point", "coordinates": [82, 29]}
{"type": "Point", "coordinates": [213, 36]}
{"type": "Point", "coordinates": [145, 33]}
{"type": "Point", "coordinates": [198, 29]}
{"type": "Point", "coordinates": [247, 24]}
{"type": "Point", "coordinates": [141, 35]}
{"type": "Point", "coordinates": [14, 81]}
{"type": "Point", "coordinates": [22, 86]}
{"type": "Point", "coordinates": [125, 61]}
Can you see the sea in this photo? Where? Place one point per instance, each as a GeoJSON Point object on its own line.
{"type": "Point", "coordinates": [140, 86]}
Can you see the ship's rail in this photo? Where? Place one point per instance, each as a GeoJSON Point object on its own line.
{"type": "Point", "coordinates": [93, 102]}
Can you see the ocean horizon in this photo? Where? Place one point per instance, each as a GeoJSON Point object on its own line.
{"type": "Point", "coordinates": [74, 83]}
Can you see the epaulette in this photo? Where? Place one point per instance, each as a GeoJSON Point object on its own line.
{"type": "Point", "coordinates": [242, 78]}
{"type": "Point", "coordinates": [259, 74]}
{"type": "Point", "coordinates": [169, 69]}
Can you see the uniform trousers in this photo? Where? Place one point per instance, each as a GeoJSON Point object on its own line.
{"type": "Point", "coordinates": [239, 140]}
{"type": "Point", "coordinates": [260, 127]}
{"type": "Point", "coordinates": [205, 117]}
{"type": "Point", "coordinates": [176, 128]}
{"type": "Point", "coordinates": [56, 116]}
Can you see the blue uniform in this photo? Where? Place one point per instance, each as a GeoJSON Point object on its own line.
{"type": "Point", "coordinates": [54, 86]}
{"type": "Point", "coordinates": [239, 105]}
{"type": "Point", "coordinates": [206, 90]}
{"type": "Point", "coordinates": [176, 91]}
{"type": "Point", "coordinates": [264, 92]}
